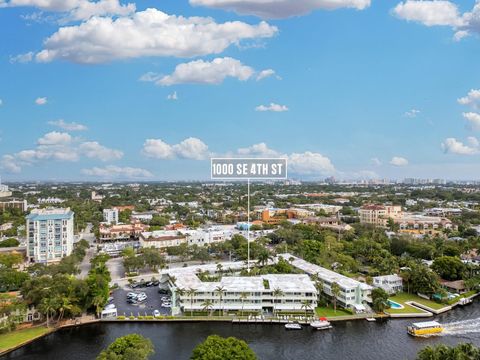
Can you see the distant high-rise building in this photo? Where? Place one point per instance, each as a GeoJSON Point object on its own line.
{"type": "Point", "coordinates": [49, 234]}
{"type": "Point", "coordinates": [110, 216]}
{"type": "Point", "coordinates": [4, 191]}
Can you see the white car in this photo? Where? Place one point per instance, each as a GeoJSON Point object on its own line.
{"type": "Point", "coordinates": [167, 305]}
{"type": "Point", "coordinates": [165, 298]}
{"type": "Point", "coordinates": [156, 313]}
{"type": "Point", "coordinates": [141, 297]}
{"type": "Point", "coordinates": [110, 307]}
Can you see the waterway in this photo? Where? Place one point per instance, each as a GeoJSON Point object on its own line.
{"type": "Point", "coordinates": [355, 340]}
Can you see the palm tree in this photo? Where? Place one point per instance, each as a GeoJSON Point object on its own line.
{"type": "Point", "coordinates": [98, 301]}
{"type": "Point", "coordinates": [179, 292]}
{"type": "Point", "coordinates": [219, 268]}
{"type": "Point", "coordinates": [191, 292]}
{"type": "Point", "coordinates": [277, 293]}
{"type": "Point", "coordinates": [243, 297]}
{"type": "Point", "coordinates": [220, 291]}
{"type": "Point", "coordinates": [335, 292]}
{"type": "Point", "coordinates": [48, 306]}
{"type": "Point", "coordinates": [65, 305]}
{"type": "Point", "coordinates": [264, 257]}
{"type": "Point", "coordinates": [306, 305]}
{"type": "Point", "coordinates": [207, 306]}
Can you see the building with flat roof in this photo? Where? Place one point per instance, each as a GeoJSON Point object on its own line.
{"type": "Point", "coordinates": [378, 215]}
{"type": "Point", "coordinates": [353, 294]}
{"type": "Point", "coordinates": [392, 284]}
{"type": "Point", "coordinates": [49, 234]}
{"type": "Point", "coordinates": [14, 204]}
{"type": "Point", "coordinates": [110, 216]}
{"type": "Point", "coordinates": [4, 191]}
{"type": "Point", "coordinates": [265, 293]}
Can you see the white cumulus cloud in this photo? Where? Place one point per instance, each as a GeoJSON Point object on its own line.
{"type": "Point", "coordinates": [94, 150]}
{"type": "Point", "coordinates": [75, 9]}
{"type": "Point", "coordinates": [190, 148]}
{"type": "Point", "coordinates": [398, 161]}
{"type": "Point", "coordinates": [147, 33]}
{"type": "Point", "coordinates": [453, 146]}
{"type": "Point", "coordinates": [441, 13]}
{"type": "Point", "coordinates": [471, 99]}
{"type": "Point", "coordinates": [411, 113]}
{"type": "Point", "coordinates": [279, 9]}
{"type": "Point", "coordinates": [172, 96]}
{"type": "Point", "coordinates": [310, 163]}
{"type": "Point", "coordinates": [22, 58]}
{"type": "Point", "coordinates": [272, 107]}
{"type": "Point", "coordinates": [205, 72]}
{"type": "Point", "coordinates": [41, 101]}
{"type": "Point", "coordinates": [259, 150]}
{"type": "Point", "coordinates": [473, 120]}
{"type": "Point", "coordinates": [117, 172]}
{"type": "Point", "coordinates": [55, 138]}
{"type": "Point", "coordinates": [72, 126]}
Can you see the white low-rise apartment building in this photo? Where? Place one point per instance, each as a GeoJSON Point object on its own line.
{"type": "Point", "coordinates": [392, 284]}
{"type": "Point", "coordinates": [265, 293]}
{"type": "Point", "coordinates": [49, 234]}
{"type": "Point", "coordinates": [353, 294]}
{"type": "Point", "coordinates": [110, 216]}
{"type": "Point", "coordinates": [165, 238]}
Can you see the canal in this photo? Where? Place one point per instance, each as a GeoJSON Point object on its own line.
{"type": "Point", "coordinates": [356, 340]}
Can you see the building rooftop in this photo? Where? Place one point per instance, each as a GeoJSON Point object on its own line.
{"type": "Point", "coordinates": [325, 274]}
{"type": "Point", "coordinates": [50, 214]}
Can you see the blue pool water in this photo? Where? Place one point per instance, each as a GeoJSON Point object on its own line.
{"type": "Point", "coordinates": [394, 305]}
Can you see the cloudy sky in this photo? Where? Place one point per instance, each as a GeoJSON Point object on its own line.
{"type": "Point", "coordinates": [150, 90]}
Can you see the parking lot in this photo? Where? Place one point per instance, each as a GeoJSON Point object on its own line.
{"type": "Point", "coordinates": [152, 303]}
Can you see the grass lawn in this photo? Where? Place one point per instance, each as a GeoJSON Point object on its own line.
{"type": "Point", "coordinates": [401, 298]}
{"type": "Point", "coordinates": [15, 338]}
{"type": "Point", "coordinates": [329, 312]}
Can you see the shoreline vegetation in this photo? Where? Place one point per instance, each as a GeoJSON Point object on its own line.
{"type": "Point", "coordinates": [16, 339]}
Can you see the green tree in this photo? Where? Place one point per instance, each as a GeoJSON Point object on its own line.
{"type": "Point", "coordinates": [129, 347]}
{"type": "Point", "coordinates": [243, 297]}
{"type": "Point", "coordinates": [444, 352]}
{"type": "Point", "coordinates": [191, 293]}
{"type": "Point", "coordinates": [449, 267]}
{"type": "Point", "coordinates": [220, 291]}
{"type": "Point", "coordinates": [335, 288]}
{"type": "Point", "coordinates": [218, 348]}
{"type": "Point", "coordinates": [380, 300]}
{"type": "Point", "coordinates": [277, 294]}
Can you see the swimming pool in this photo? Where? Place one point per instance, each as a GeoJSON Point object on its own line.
{"type": "Point", "coordinates": [395, 305]}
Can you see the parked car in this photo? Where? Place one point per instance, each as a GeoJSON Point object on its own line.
{"type": "Point", "coordinates": [156, 313]}
{"type": "Point", "coordinates": [142, 297]}
{"type": "Point", "coordinates": [132, 295]}
{"type": "Point", "coordinates": [110, 307]}
{"type": "Point", "coordinates": [149, 284]}
{"type": "Point", "coordinates": [165, 298]}
{"type": "Point", "coordinates": [167, 305]}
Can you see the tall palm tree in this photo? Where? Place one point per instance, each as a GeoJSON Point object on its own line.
{"type": "Point", "coordinates": [207, 306]}
{"type": "Point", "coordinates": [179, 292]}
{"type": "Point", "coordinates": [263, 257]}
{"type": "Point", "coordinates": [335, 292]}
{"type": "Point", "coordinates": [48, 306]}
{"type": "Point", "coordinates": [243, 297]}
{"type": "Point", "coordinates": [98, 302]}
{"type": "Point", "coordinates": [219, 268]}
{"type": "Point", "coordinates": [306, 305]}
{"type": "Point", "coordinates": [277, 293]}
{"type": "Point", "coordinates": [191, 292]}
{"type": "Point", "coordinates": [220, 290]}
{"type": "Point", "coordinates": [65, 305]}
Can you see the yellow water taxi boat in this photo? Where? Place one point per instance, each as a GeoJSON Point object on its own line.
{"type": "Point", "coordinates": [425, 328]}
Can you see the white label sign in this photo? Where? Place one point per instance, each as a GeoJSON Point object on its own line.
{"type": "Point", "coordinates": [249, 168]}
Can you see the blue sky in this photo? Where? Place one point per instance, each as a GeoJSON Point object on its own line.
{"type": "Point", "coordinates": [370, 89]}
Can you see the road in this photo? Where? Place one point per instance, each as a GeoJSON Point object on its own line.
{"type": "Point", "coordinates": [90, 237]}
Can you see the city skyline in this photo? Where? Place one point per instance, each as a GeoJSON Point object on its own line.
{"type": "Point", "coordinates": [149, 90]}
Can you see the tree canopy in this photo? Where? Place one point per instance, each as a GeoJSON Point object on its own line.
{"type": "Point", "coordinates": [128, 347]}
{"type": "Point", "coordinates": [218, 348]}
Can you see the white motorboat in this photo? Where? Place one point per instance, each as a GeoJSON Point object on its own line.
{"type": "Point", "coordinates": [321, 325]}
{"type": "Point", "coordinates": [293, 326]}
{"type": "Point", "coordinates": [371, 319]}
